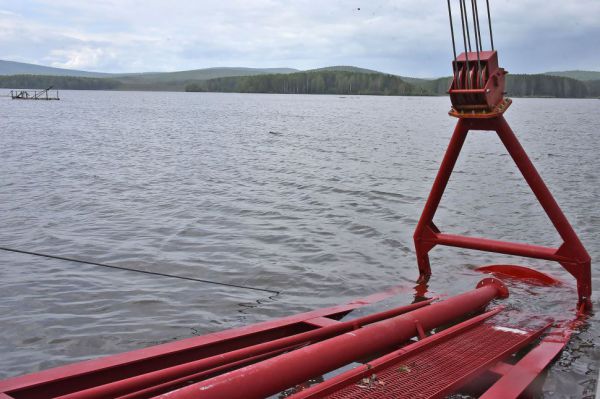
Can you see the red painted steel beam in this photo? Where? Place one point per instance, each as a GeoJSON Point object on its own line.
{"type": "Point", "coordinates": [509, 248]}
{"type": "Point", "coordinates": [169, 385]}
{"type": "Point", "coordinates": [172, 376]}
{"type": "Point", "coordinates": [539, 188]}
{"type": "Point", "coordinates": [276, 374]}
{"type": "Point", "coordinates": [435, 196]}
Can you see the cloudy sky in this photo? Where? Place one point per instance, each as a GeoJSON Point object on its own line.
{"type": "Point", "coordinates": [405, 37]}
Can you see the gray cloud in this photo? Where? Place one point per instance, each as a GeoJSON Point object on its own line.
{"type": "Point", "coordinates": [398, 36]}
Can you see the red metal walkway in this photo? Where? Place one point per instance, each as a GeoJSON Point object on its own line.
{"type": "Point", "coordinates": [440, 369]}
{"type": "Point", "coordinates": [440, 364]}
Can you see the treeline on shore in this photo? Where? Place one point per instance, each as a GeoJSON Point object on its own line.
{"type": "Point", "coordinates": [57, 82]}
{"type": "Point", "coordinates": [341, 82]}
{"type": "Point", "coordinates": [549, 86]}
{"type": "Point", "coordinates": [317, 82]}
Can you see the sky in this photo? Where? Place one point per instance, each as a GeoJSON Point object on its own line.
{"type": "Point", "coordinates": [404, 37]}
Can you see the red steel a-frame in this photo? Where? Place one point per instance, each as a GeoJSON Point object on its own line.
{"type": "Point", "coordinates": [478, 103]}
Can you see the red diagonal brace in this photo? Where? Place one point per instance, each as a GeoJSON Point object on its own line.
{"type": "Point", "coordinates": [571, 254]}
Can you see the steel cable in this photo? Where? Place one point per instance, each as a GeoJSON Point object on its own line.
{"type": "Point", "coordinates": [455, 65]}
{"type": "Point", "coordinates": [490, 23]}
{"type": "Point", "coordinates": [245, 287]}
{"type": "Point", "coordinates": [462, 20]}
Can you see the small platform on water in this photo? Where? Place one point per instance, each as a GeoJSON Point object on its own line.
{"type": "Point", "coordinates": [44, 94]}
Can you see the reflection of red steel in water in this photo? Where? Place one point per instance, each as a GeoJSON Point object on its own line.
{"type": "Point", "coordinates": [521, 273]}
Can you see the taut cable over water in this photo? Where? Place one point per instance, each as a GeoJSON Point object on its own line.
{"type": "Point", "coordinates": [129, 269]}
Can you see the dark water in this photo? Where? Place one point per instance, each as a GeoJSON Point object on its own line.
{"type": "Point", "coordinates": [316, 196]}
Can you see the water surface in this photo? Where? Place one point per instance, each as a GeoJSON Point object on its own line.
{"type": "Point", "coordinates": [314, 196]}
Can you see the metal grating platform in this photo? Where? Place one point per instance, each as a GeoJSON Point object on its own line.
{"type": "Point", "coordinates": [438, 369]}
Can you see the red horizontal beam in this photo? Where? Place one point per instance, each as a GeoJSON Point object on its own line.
{"type": "Point", "coordinates": [503, 247]}
{"type": "Point", "coordinates": [466, 91]}
{"type": "Point", "coordinates": [521, 375]}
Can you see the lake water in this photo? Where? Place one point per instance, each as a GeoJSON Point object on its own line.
{"type": "Point", "coordinates": [313, 196]}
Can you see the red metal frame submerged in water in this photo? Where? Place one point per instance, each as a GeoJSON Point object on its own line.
{"type": "Point", "coordinates": [571, 254]}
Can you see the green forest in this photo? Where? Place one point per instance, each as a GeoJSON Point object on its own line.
{"type": "Point", "coordinates": [548, 86]}
{"type": "Point", "coordinates": [57, 82]}
{"type": "Point", "coordinates": [346, 82]}
{"type": "Point", "coordinates": [316, 82]}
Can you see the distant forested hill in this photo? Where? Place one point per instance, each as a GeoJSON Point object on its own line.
{"type": "Point", "coordinates": [343, 68]}
{"type": "Point", "coordinates": [176, 81]}
{"type": "Point", "coordinates": [58, 82]}
{"type": "Point", "coordinates": [21, 68]}
{"type": "Point", "coordinates": [315, 82]}
{"type": "Point", "coordinates": [593, 88]}
{"type": "Point", "coordinates": [545, 86]}
{"type": "Point", "coordinates": [578, 75]}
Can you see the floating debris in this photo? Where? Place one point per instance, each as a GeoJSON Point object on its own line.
{"type": "Point", "coordinates": [370, 382]}
{"type": "Point", "coordinates": [404, 369]}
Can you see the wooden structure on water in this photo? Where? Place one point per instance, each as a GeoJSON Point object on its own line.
{"type": "Point", "coordinates": [44, 94]}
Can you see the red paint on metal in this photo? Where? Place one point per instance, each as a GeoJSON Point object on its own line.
{"type": "Point", "coordinates": [322, 321]}
{"type": "Point", "coordinates": [141, 393]}
{"type": "Point", "coordinates": [276, 374]}
{"type": "Point", "coordinates": [499, 285]}
{"type": "Point", "coordinates": [340, 380]}
{"type": "Point", "coordinates": [501, 368]}
{"type": "Point", "coordinates": [439, 369]}
{"type": "Point", "coordinates": [498, 110]}
{"type": "Point", "coordinates": [522, 273]}
{"type": "Point", "coordinates": [474, 90]}
{"type": "Point", "coordinates": [520, 376]}
{"type": "Point", "coordinates": [571, 254]}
